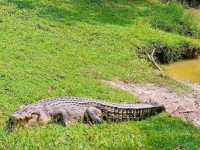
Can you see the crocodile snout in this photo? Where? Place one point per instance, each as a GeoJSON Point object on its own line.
{"type": "Point", "coordinates": [14, 120]}
{"type": "Point", "coordinates": [11, 123]}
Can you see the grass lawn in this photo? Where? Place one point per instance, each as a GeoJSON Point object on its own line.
{"type": "Point", "coordinates": [65, 47]}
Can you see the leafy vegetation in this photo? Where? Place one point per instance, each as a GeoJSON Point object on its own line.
{"type": "Point", "coordinates": [65, 47]}
{"type": "Point", "coordinates": [164, 53]}
{"type": "Point", "coordinates": [172, 17]}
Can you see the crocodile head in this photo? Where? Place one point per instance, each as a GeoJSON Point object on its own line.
{"type": "Point", "coordinates": [24, 116]}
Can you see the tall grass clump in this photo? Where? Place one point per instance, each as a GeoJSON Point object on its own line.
{"type": "Point", "coordinates": [172, 17]}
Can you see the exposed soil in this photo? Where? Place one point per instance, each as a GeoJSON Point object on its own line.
{"type": "Point", "coordinates": [186, 106]}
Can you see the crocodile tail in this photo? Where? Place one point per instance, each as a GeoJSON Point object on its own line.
{"type": "Point", "coordinates": [147, 112]}
{"type": "Point", "coordinates": [121, 114]}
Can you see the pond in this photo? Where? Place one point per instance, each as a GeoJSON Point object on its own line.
{"type": "Point", "coordinates": [184, 70]}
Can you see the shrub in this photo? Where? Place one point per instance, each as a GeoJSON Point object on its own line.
{"type": "Point", "coordinates": [167, 54]}
{"type": "Point", "coordinates": [173, 18]}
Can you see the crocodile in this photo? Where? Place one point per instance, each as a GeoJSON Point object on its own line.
{"type": "Point", "coordinates": [69, 109]}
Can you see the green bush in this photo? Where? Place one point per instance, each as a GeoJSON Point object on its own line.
{"type": "Point", "coordinates": [164, 53]}
{"type": "Point", "coordinates": [173, 18]}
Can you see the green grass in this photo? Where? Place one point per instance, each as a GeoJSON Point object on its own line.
{"type": "Point", "coordinates": [65, 47]}
{"type": "Point", "coordinates": [160, 132]}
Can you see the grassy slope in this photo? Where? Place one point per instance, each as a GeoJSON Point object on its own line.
{"type": "Point", "coordinates": [64, 47]}
{"type": "Point", "coordinates": [196, 13]}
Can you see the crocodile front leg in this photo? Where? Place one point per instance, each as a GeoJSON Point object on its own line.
{"type": "Point", "coordinates": [61, 115]}
{"type": "Point", "coordinates": [93, 115]}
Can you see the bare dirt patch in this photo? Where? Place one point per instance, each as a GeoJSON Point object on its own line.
{"type": "Point", "coordinates": [185, 106]}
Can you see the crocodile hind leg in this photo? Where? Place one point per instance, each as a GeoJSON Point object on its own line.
{"type": "Point", "coordinates": [93, 115]}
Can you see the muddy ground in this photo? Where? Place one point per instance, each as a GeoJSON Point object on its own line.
{"type": "Point", "coordinates": [185, 106]}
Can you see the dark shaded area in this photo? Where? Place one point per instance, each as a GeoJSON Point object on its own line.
{"type": "Point", "coordinates": [90, 11]}
{"type": "Point", "coordinates": [164, 54]}
{"type": "Point", "coordinates": [191, 3]}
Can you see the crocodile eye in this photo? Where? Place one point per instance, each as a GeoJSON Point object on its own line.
{"type": "Point", "coordinates": [34, 115]}
{"type": "Point", "coordinates": [32, 120]}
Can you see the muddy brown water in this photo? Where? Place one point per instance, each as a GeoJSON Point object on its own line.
{"type": "Point", "coordinates": [188, 70]}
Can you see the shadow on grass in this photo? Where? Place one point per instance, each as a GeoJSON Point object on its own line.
{"type": "Point", "coordinates": [90, 11]}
